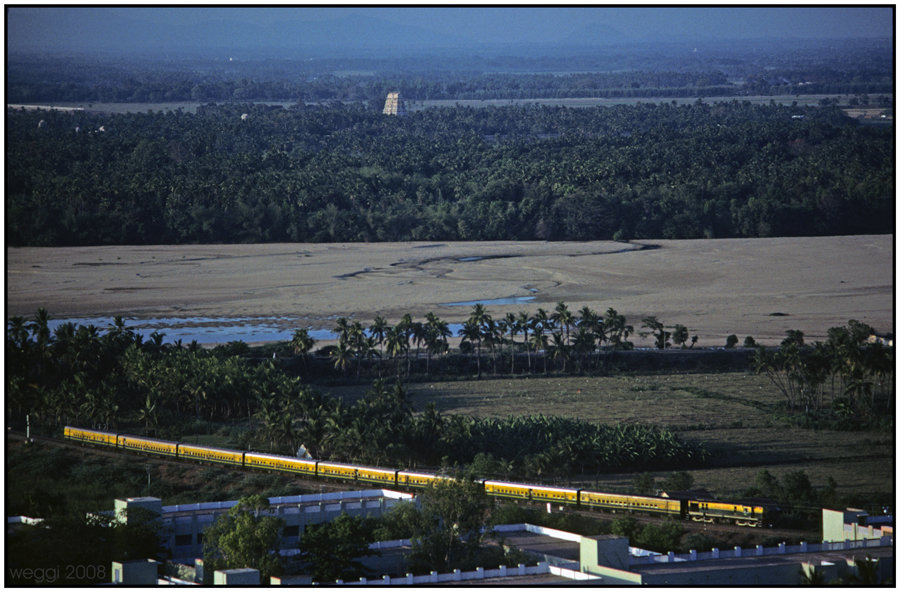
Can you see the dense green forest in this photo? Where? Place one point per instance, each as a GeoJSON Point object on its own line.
{"type": "Point", "coordinates": [253, 173]}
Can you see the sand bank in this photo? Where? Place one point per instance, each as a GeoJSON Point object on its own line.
{"type": "Point", "coordinates": [758, 287]}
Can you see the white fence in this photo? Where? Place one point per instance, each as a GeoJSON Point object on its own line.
{"type": "Point", "coordinates": [310, 498]}
{"type": "Point", "coordinates": [479, 574]}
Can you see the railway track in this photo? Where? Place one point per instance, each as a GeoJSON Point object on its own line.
{"type": "Point", "coordinates": [316, 484]}
{"type": "Point", "coordinates": [313, 485]}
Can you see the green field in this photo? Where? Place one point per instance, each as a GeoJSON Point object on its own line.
{"type": "Point", "coordinates": [735, 414]}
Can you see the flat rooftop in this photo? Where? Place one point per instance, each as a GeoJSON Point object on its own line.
{"type": "Point", "coordinates": [741, 563]}
{"type": "Point", "coordinates": [541, 544]}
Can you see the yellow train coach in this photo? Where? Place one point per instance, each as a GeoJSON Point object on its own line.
{"type": "Point", "coordinates": [216, 455]}
{"type": "Point", "coordinates": [630, 503]}
{"type": "Point", "coordinates": [374, 475]}
{"type": "Point", "coordinates": [410, 479]}
{"type": "Point", "coordinates": [89, 436]}
{"type": "Point", "coordinates": [507, 490]}
{"type": "Point", "coordinates": [148, 445]}
{"type": "Point", "coordinates": [336, 470]}
{"type": "Point", "coordinates": [280, 463]}
{"type": "Point", "coordinates": [538, 493]}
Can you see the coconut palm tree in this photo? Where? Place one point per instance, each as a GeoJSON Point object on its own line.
{"type": "Point", "coordinates": [583, 345]}
{"type": "Point", "coordinates": [559, 349]}
{"type": "Point", "coordinates": [405, 329]}
{"type": "Point", "coordinates": [617, 331]}
{"type": "Point", "coordinates": [563, 319]}
{"type": "Point", "coordinates": [40, 329]}
{"type": "Point", "coordinates": [342, 328]}
{"type": "Point", "coordinates": [301, 342]}
{"type": "Point", "coordinates": [377, 330]}
{"type": "Point", "coordinates": [471, 333]}
{"type": "Point", "coordinates": [512, 325]}
{"type": "Point", "coordinates": [342, 354]}
{"type": "Point", "coordinates": [397, 345]}
{"type": "Point", "coordinates": [17, 332]}
{"type": "Point", "coordinates": [480, 328]}
{"type": "Point", "coordinates": [437, 332]}
{"type": "Point", "coordinates": [524, 323]}
{"type": "Point", "coordinates": [539, 324]}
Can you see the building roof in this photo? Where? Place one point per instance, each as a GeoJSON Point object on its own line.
{"type": "Point", "coordinates": [743, 563]}
{"type": "Point", "coordinates": [541, 544]}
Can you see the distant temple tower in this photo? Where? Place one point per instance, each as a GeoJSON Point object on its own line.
{"type": "Point", "coordinates": [393, 105]}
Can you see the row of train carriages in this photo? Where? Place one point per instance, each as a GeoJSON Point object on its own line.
{"type": "Point", "coordinates": [687, 509]}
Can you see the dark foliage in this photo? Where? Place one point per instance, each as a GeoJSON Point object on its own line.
{"type": "Point", "coordinates": [346, 173]}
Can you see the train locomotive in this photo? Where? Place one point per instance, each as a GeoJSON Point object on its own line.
{"type": "Point", "coordinates": [686, 509]}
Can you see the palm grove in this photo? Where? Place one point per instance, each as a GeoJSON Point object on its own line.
{"type": "Point", "coordinates": [117, 380]}
{"type": "Point", "coordinates": [256, 173]}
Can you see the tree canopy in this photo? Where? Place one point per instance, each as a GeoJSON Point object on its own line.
{"type": "Point", "coordinates": [518, 172]}
{"type": "Point", "coordinates": [244, 537]}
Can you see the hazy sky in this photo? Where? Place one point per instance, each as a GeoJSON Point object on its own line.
{"type": "Point", "coordinates": [87, 28]}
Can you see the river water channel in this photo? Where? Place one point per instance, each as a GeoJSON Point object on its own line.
{"type": "Point", "coordinates": [213, 330]}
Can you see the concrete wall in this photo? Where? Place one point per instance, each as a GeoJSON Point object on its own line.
{"type": "Point", "coordinates": [142, 572]}
{"type": "Point", "coordinates": [148, 504]}
{"type": "Point", "coordinates": [603, 550]}
{"type": "Point", "coordinates": [844, 525]}
{"type": "Point", "coordinates": [236, 577]}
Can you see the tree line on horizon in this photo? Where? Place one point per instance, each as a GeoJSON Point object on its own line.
{"type": "Point", "coordinates": [735, 68]}
{"type": "Point", "coordinates": [241, 173]}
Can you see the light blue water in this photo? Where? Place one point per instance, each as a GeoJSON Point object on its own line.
{"type": "Point", "coordinates": [206, 329]}
{"type": "Point", "coordinates": [509, 300]}
{"type": "Point", "coordinates": [215, 330]}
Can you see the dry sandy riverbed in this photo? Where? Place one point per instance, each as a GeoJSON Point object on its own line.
{"type": "Point", "coordinates": [758, 287]}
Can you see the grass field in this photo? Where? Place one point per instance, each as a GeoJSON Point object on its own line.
{"type": "Point", "coordinates": [734, 414]}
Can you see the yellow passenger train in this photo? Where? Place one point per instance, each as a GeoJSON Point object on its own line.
{"type": "Point", "coordinates": [698, 510]}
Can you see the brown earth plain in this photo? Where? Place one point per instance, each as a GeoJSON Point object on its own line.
{"type": "Point", "coordinates": [716, 287]}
